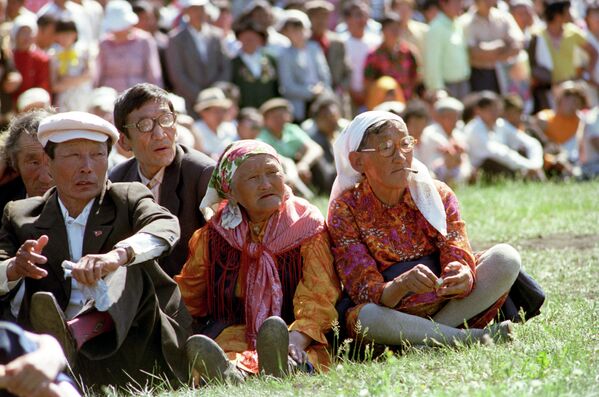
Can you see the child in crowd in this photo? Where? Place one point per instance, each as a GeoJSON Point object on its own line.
{"type": "Point", "coordinates": [71, 74]}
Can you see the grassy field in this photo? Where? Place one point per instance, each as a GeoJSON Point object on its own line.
{"type": "Point", "coordinates": [556, 229]}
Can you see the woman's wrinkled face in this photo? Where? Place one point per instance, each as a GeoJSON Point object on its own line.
{"type": "Point", "coordinates": [386, 172]}
{"type": "Point", "coordinates": [259, 186]}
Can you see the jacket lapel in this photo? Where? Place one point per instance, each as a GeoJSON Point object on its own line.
{"type": "Point", "coordinates": [170, 181]}
{"type": "Point", "coordinates": [99, 224]}
{"type": "Point", "coordinates": [51, 223]}
{"type": "Point", "coordinates": [132, 173]}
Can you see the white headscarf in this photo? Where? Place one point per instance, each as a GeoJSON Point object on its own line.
{"type": "Point", "coordinates": [421, 185]}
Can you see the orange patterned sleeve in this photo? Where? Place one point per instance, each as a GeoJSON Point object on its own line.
{"type": "Point", "coordinates": [193, 277]}
{"type": "Point", "coordinates": [318, 291]}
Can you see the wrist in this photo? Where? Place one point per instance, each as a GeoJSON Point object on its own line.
{"type": "Point", "coordinates": [11, 273]}
{"type": "Point", "coordinates": [125, 254]}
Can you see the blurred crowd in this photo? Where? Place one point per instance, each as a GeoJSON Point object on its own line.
{"type": "Point", "coordinates": [487, 87]}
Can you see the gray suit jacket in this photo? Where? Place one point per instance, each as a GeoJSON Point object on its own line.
{"type": "Point", "coordinates": [151, 322]}
{"type": "Point", "coordinates": [293, 71]}
{"type": "Point", "coordinates": [338, 62]}
{"type": "Point", "coordinates": [183, 188]}
{"type": "Point", "coordinates": [187, 71]}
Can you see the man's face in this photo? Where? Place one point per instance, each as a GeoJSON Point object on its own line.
{"type": "Point", "coordinates": [155, 149]}
{"type": "Point", "coordinates": [32, 165]}
{"type": "Point", "coordinates": [451, 8]}
{"type": "Point", "coordinates": [320, 21]}
{"type": "Point", "coordinates": [275, 119]}
{"type": "Point", "coordinates": [196, 15]}
{"type": "Point", "coordinates": [357, 19]}
{"type": "Point", "coordinates": [79, 169]}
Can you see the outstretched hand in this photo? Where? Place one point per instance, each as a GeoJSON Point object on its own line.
{"type": "Point", "coordinates": [25, 262]}
{"type": "Point", "coordinates": [89, 269]}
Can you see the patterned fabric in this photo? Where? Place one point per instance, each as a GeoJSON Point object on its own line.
{"type": "Point", "coordinates": [313, 301]}
{"type": "Point", "coordinates": [219, 187]}
{"type": "Point", "coordinates": [400, 64]}
{"type": "Point", "coordinates": [369, 236]}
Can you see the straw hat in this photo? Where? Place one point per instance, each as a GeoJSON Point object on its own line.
{"type": "Point", "coordinates": [212, 97]}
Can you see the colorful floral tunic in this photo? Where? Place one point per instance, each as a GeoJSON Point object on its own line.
{"type": "Point", "coordinates": [369, 236]}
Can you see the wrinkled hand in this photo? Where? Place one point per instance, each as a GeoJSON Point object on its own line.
{"type": "Point", "coordinates": [32, 374]}
{"type": "Point", "coordinates": [25, 262]}
{"type": "Point", "coordinates": [91, 268]}
{"type": "Point", "coordinates": [456, 281]}
{"type": "Point", "coordinates": [297, 354]}
{"type": "Point", "coordinates": [298, 343]}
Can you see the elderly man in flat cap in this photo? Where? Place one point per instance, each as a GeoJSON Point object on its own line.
{"type": "Point", "coordinates": [118, 316]}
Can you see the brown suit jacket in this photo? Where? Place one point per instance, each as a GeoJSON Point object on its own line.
{"type": "Point", "coordinates": [183, 188]}
{"type": "Point", "coordinates": [124, 209]}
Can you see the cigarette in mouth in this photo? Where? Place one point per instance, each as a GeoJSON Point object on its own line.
{"type": "Point", "coordinates": [411, 170]}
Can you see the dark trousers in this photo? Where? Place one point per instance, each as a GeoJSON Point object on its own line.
{"type": "Point", "coordinates": [484, 79]}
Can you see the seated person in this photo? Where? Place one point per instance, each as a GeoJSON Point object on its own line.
{"type": "Point", "coordinates": [324, 127]}
{"type": "Point", "coordinates": [590, 145]}
{"type": "Point", "coordinates": [249, 123]}
{"type": "Point", "coordinates": [213, 131]}
{"type": "Point", "coordinates": [400, 246]}
{"type": "Point", "coordinates": [116, 323]}
{"type": "Point", "coordinates": [31, 365]}
{"type": "Point", "coordinates": [289, 140]}
{"type": "Point", "coordinates": [22, 154]}
{"type": "Point", "coordinates": [495, 148]}
{"type": "Point", "coordinates": [416, 116]}
{"type": "Point", "coordinates": [260, 267]}
{"type": "Point", "coordinates": [557, 128]}
{"type": "Point", "coordinates": [443, 145]}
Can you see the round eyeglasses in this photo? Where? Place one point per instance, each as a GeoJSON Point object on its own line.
{"type": "Point", "coordinates": [387, 148]}
{"type": "Point", "coordinates": [165, 120]}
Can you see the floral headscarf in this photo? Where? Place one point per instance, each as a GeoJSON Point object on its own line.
{"type": "Point", "coordinates": [219, 188]}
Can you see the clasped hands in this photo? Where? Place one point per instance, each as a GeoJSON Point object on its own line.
{"type": "Point", "coordinates": [420, 279]}
{"type": "Point", "coordinates": [87, 271]}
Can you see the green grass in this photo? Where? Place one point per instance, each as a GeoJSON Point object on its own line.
{"type": "Point", "coordinates": [555, 354]}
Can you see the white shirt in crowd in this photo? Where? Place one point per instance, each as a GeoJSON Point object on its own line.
{"type": "Point", "coordinates": [144, 245]}
{"type": "Point", "coordinates": [591, 130]}
{"type": "Point", "coordinates": [432, 141]}
{"type": "Point", "coordinates": [502, 144]}
{"type": "Point", "coordinates": [213, 144]}
{"type": "Point", "coordinates": [357, 50]}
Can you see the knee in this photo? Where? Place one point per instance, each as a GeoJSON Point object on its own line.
{"type": "Point", "coordinates": [506, 259]}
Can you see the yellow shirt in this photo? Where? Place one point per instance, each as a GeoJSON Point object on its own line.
{"type": "Point", "coordinates": [563, 55]}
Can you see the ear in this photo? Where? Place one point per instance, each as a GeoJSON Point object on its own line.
{"type": "Point", "coordinates": [357, 161]}
{"type": "Point", "coordinates": [124, 142]}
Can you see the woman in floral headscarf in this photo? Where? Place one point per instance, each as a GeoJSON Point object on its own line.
{"type": "Point", "coordinates": [259, 280]}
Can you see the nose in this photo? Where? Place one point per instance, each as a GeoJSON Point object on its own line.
{"type": "Point", "coordinates": [158, 131]}
{"type": "Point", "coordinates": [86, 164]}
{"type": "Point", "coordinates": [44, 175]}
{"type": "Point", "coordinates": [264, 183]}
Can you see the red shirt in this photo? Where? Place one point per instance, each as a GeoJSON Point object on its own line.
{"type": "Point", "coordinates": [34, 66]}
{"type": "Point", "coordinates": [399, 64]}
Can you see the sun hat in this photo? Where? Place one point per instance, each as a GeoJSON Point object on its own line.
{"type": "Point", "coordinates": [212, 97]}
{"type": "Point", "coordinates": [118, 16]}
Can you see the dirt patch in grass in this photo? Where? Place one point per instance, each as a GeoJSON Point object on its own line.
{"type": "Point", "coordinates": [551, 241]}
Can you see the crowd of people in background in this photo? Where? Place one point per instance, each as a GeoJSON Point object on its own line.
{"type": "Point", "coordinates": [234, 115]}
{"type": "Point", "coordinates": [487, 87]}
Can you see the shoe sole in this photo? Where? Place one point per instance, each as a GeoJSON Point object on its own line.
{"type": "Point", "coordinates": [207, 357]}
{"type": "Point", "coordinates": [46, 317]}
{"type": "Point", "coordinates": [272, 345]}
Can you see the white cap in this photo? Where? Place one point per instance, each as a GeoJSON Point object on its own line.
{"type": "Point", "coordinates": [67, 126]}
{"type": "Point", "coordinates": [31, 97]}
{"type": "Point", "coordinates": [190, 3]}
{"type": "Point", "coordinates": [104, 98]}
{"type": "Point", "coordinates": [118, 16]}
{"type": "Point", "coordinates": [294, 16]}
{"type": "Point", "coordinates": [449, 103]}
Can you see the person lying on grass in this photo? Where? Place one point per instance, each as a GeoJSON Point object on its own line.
{"type": "Point", "coordinates": [259, 281]}
{"type": "Point", "coordinates": [400, 246]}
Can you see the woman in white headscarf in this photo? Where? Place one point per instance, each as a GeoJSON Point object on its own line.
{"type": "Point", "coordinates": [401, 248]}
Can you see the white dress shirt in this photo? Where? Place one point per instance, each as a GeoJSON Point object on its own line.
{"type": "Point", "coordinates": [154, 183]}
{"type": "Point", "coordinates": [213, 144]}
{"type": "Point", "coordinates": [502, 144]}
{"type": "Point", "coordinates": [145, 247]}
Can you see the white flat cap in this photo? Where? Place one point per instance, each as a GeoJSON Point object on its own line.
{"type": "Point", "coordinates": [33, 96]}
{"type": "Point", "coordinates": [67, 126]}
{"type": "Point", "coordinates": [449, 103]}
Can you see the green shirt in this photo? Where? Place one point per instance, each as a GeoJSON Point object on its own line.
{"type": "Point", "coordinates": [563, 56]}
{"type": "Point", "coordinates": [445, 53]}
{"type": "Point", "coordinates": [292, 140]}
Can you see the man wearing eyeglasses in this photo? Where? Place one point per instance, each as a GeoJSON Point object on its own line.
{"type": "Point", "coordinates": [177, 176]}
